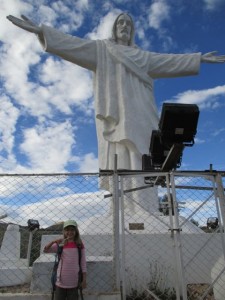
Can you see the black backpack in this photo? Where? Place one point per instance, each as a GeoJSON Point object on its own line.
{"type": "Point", "coordinates": [55, 267]}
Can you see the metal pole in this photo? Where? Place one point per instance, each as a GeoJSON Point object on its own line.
{"type": "Point", "coordinates": [123, 278]}
{"type": "Point", "coordinates": [178, 250]}
{"type": "Point", "coordinates": [221, 196]}
{"type": "Point", "coordinates": [116, 228]}
{"type": "Point", "coordinates": [177, 287]}
{"type": "Point", "coordinates": [221, 210]}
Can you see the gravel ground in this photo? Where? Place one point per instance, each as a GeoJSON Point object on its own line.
{"type": "Point", "coordinates": [195, 290]}
{"type": "Point", "coordinates": [24, 288]}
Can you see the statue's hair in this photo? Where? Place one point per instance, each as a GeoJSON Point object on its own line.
{"type": "Point", "coordinates": [114, 37]}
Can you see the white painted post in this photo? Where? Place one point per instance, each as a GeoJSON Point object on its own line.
{"type": "Point", "coordinates": [29, 246]}
{"type": "Point", "coordinates": [116, 227]}
{"type": "Point", "coordinates": [10, 248]}
{"type": "Point", "coordinates": [177, 285]}
{"type": "Point", "coordinates": [178, 251]}
{"type": "Point", "coordinates": [122, 229]}
{"type": "Point", "coordinates": [221, 210]}
{"type": "Point", "coordinates": [221, 196]}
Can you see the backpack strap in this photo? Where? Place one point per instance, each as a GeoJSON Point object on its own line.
{"type": "Point", "coordinates": [59, 251]}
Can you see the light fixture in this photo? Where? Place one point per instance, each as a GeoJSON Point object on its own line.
{"type": "Point", "coordinates": [177, 129]}
{"type": "Point", "coordinates": [178, 123]}
{"type": "Point", "coordinates": [33, 224]}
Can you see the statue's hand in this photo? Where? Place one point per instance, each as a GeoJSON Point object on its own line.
{"type": "Point", "coordinates": [25, 24]}
{"type": "Point", "coordinates": [211, 57]}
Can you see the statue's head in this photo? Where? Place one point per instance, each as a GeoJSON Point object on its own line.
{"type": "Point", "coordinates": [123, 29]}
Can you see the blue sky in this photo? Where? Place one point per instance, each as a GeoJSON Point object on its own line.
{"type": "Point", "coordinates": [47, 120]}
{"type": "Point", "coordinates": [46, 115]}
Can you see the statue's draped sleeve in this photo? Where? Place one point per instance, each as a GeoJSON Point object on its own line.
{"type": "Point", "coordinates": [79, 51]}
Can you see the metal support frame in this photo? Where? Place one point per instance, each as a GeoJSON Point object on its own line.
{"type": "Point", "coordinates": [170, 161]}
{"type": "Point", "coordinates": [175, 228]}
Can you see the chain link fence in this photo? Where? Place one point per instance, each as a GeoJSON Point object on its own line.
{"type": "Point", "coordinates": [149, 235]}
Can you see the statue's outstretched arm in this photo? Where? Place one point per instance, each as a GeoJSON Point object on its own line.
{"type": "Point", "coordinates": [25, 24]}
{"type": "Point", "coordinates": [211, 57]}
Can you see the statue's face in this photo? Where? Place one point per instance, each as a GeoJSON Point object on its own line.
{"type": "Point", "coordinates": [123, 29]}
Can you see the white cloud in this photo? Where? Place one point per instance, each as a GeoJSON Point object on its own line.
{"type": "Point", "coordinates": [8, 117]}
{"type": "Point", "coordinates": [208, 98]}
{"type": "Point", "coordinates": [218, 132]}
{"type": "Point", "coordinates": [11, 7]}
{"type": "Point", "coordinates": [74, 17]}
{"type": "Point", "coordinates": [40, 87]}
{"type": "Point", "coordinates": [199, 141]}
{"type": "Point", "coordinates": [61, 84]}
{"type": "Point", "coordinates": [48, 15]}
{"type": "Point", "coordinates": [65, 85]}
{"type": "Point", "coordinates": [48, 148]}
{"type": "Point", "coordinates": [213, 4]}
{"type": "Point", "coordinates": [89, 163]}
{"type": "Point", "coordinates": [104, 29]}
{"type": "Point", "coordinates": [159, 11]}
{"type": "Point", "coordinates": [75, 206]}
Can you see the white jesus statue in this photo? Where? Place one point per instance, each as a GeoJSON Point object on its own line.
{"type": "Point", "coordinates": [125, 108]}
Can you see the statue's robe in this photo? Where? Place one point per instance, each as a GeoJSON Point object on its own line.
{"type": "Point", "coordinates": [125, 108]}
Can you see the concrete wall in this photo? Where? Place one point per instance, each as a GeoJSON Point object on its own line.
{"type": "Point", "coordinates": [148, 258]}
{"type": "Point", "coordinates": [152, 258]}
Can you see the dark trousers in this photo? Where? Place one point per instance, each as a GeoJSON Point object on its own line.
{"type": "Point", "coordinates": [66, 294]}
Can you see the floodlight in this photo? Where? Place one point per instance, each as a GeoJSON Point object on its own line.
{"type": "Point", "coordinates": [157, 155]}
{"type": "Point", "coordinates": [212, 222]}
{"type": "Point", "coordinates": [33, 224]}
{"type": "Point", "coordinates": [178, 123]}
{"type": "Point", "coordinates": [3, 216]}
{"type": "Point", "coordinates": [147, 163]}
{"type": "Point", "coordinates": [177, 129]}
{"type": "Point", "coordinates": [158, 151]}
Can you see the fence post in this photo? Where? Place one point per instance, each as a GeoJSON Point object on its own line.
{"type": "Point", "coordinates": [221, 213]}
{"type": "Point", "coordinates": [116, 228]}
{"type": "Point", "coordinates": [221, 196]}
{"type": "Point", "coordinates": [178, 245]}
{"type": "Point", "coordinates": [122, 229]}
{"type": "Point", "coordinates": [177, 279]}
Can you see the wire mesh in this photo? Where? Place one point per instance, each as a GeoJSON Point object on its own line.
{"type": "Point", "coordinates": [166, 239]}
{"type": "Point", "coordinates": [50, 200]}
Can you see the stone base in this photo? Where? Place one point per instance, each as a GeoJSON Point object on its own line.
{"type": "Point", "coordinates": [99, 270]}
